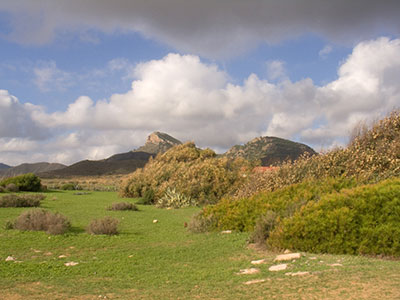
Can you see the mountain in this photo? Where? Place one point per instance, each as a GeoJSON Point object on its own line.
{"type": "Point", "coordinates": [159, 142]}
{"type": "Point", "coordinates": [269, 150]}
{"type": "Point", "coordinates": [31, 168]}
{"type": "Point", "coordinates": [121, 163]}
{"type": "Point", "coordinates": [4, 166]}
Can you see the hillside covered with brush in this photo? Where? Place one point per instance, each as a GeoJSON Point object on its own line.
{"type": "Point", "coordinates": [344, 201]}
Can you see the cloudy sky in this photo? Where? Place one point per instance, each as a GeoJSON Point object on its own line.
{"type": "Point", "coordinates": [90, 78]}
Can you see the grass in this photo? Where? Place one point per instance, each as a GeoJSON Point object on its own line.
{"type": "Point", "coordinates": [163, 260]}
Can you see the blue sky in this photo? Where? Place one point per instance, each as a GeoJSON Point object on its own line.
{"type": "Point", "coordinates": [87, 80]}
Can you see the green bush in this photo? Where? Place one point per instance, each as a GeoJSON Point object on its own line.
{"type": "Point", "coordinates": [198, 174]}
{"type": "Point", "coordinates": [106, 225]}
{"type": "Point", "coordinates": [363, 220]}
{"type": "Point", "coordinates": [123, 206]}
{"type": "Point", "coordinates": [69, 187]}
{"type": "Point", "coordinates": [12, 188]}
{"type": "Point", "coordinates": [42, 220]}
{"type": "Point", "coordinates": [14, 200]}
{"type": "Point", "coordinates": [26, 182]}
{"type": "Point", "coordinates": [264, 225]}
{"type": "Point", "coordinates": [242, 214]}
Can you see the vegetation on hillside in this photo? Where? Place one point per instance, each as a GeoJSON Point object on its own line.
{"type": "Point", "coordinates": [325, 203]}
{"type": "Point", "coordinates": [194, 175]}
{"type": "Point", "coordinates": [27, 182]}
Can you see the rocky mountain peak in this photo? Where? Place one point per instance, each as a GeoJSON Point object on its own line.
{"type": "Point", "coordinates": [159, 142]}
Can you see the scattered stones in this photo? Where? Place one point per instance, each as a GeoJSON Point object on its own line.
{"type": "Point", "coordinates": [258, 262]}
{"type": "Point", "coordinates": [10, 258]}
{"type": "Point", "coordinates": [71, 263]}
{"type": "Point", "coordinates": [48, 254]}
{"type": "Point", "coordinates": [248, 271]}
{"type": "Point", "coordinates": [297, 273]}
{"type": "Point", "coordinates": [254, 281]}
{"type": "Point", "coordinates": [155, 221]}
{"type": "Point", "coordinates": [313, 258]}
{"type": "Point", "coordinates": [226, 231]}
{"type": "Point", "coordinates": [280, 267]}
{"type": "Point", "coordinates": [288, 256]}
{"type": "Point", "coordinates": [36, 251]}
{"type": "Point", "coordinates": [335, 265]}
{"type": "Point", "coordinates": [62, 256]}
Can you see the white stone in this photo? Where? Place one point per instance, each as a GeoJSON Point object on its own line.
{"type": "Point", "coordinates": [289, 256]}
{"type": "Point", "coordinates": [258, 262]}
{"type": "Point", "coordinates": [280, 267]}
{"type": "Point", "coordinates": [287, 251]}
{"type": "Point", "coordinates": [297, 273]}
{"type": "Point", "coordinates": [254, 281]}
{"type": "Point", "coordinates": [155, 221]}
{"type": "Point", "coordinates": [10, 258]}
{"type": "Point", "coordinates": [71, 263]}
{"type": "Point", "coordinates": [226, 231]}
{"type": "Point", "coordinates": [335, 265]}
{"type": "Point", "coordinates": [249, 271]}
{"type": "Point", "coordinates": [62, 256]}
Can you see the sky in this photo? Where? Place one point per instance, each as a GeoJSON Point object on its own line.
{"type": "Point", "coordinates": [90, 78]}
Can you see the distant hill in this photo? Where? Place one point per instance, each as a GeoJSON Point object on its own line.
{"type": "Point", "coordinates": [35, 168]}
{"type": "Point", "coordinates": [269, 150]}
{"type": "Point", "coordinates": [121, 163]}
{"type": "Point", "coordinates": [117, 164]}
{"type": "Point", "coordinates": [159, 142]}
{"type": "Point", "coordinates": [4, 166]}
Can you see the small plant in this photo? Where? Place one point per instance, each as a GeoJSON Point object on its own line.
{"type": "Point", "coordinates": [123, 206]}
{"type": "Point", "coordinates": [11, 187]}
{"type": "Point", "coordinates": [264, 225]}
{"type": "Point", "coordinates": [68, 187]}
{"type": "Point", "coordinates": [106, 225]}
{"type": "Point", "coordinates": [42, 220]}
{"type": "Point", "coordinates": [174, 199]}
{"type": "Point", "coordinates": [14, 200]}
{"type": "Point", "coordinates": [148, 197]}
{"type": "Point", "coordinates": [200, 223]}
{"type": "Point", "coordinates": [9, 225]}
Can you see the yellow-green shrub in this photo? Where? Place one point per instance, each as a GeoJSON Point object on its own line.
{"type": "Point", "coordinates": [363, 220]}
{"type": "Point", "coordinates": [195, 173]}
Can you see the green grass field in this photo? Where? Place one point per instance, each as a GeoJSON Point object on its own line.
{"type": "Point", "coordinates": [164, 261]}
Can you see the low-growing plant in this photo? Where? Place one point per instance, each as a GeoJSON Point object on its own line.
{"type": "Point", "coordinates": [26, 182]}
{"type": "Point", "coordinates": [199, 224]}
{"type": "Point", "coordinates": [25, 200]}
{"type": "Point", "coordinates": [264, 225]}
{"type": "Point", "coordinates": [122, 206]}
{"type": "Point", "coordinates": [69, 187]}
{"type": "Point", "coordinates": [106, 225]}
{"type": "Point", "coordinates": [9, 225]}
{"type": "Point", "coordinates": [12, 188]}
{"type": "Point", "coordinates": [174, 199]}
{"type": "Point", "coordinates": [42, 220]}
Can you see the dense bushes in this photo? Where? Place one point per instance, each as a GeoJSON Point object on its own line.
{"type": "Point", "coordinates": [42, 220]}
{"type": "Point", "coordinates": [26, 182]}
{"type": "Point", "coordinates": [364, 220]}
{"type": "Point", "coordinates": [193, 173]}
{"type": "Point", "coordinates": [24, 200]}
{"type": "Point", "coordinates": [373, 155]}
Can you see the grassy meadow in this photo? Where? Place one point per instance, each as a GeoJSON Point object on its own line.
{"type": "Point", "coordinates": [164, 260]}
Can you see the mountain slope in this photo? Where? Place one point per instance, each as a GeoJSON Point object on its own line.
{"type": "Point", "coordinates": [4, 166]}
{"type": "Point", "coordinates": [31, 168]}
{"type": "Point", "coordinates": [269, 150]}
{"type": "Point", "coordinates": [121, 163]}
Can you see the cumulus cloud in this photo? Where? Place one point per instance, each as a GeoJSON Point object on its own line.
{"type": "Point", "coordinates": [192, 100]}
{"type": "Point", "coordinates": [211, 28]}
{"type": "Point", "coordinates": [49, 77]}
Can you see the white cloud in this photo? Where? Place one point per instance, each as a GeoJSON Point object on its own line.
{"type": "Point", "coordinates": [323, 53]}
{"type": "Point", "coordinates": [48, 77]}
{"type": "Point", "coordinates": [207, 27]}
{"type": "Point", "coordinates": [276, 70]}
{"type": "Point", "coordinates": [191, 100]}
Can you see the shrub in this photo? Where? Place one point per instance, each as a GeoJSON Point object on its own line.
{"type": "Point", "coordinates": [264, 225]}
{"type": "Point", "coordinates": [26, 182]}
{"type": "Point", "coordinates": [2, 189]}
{"type": "Point", "coordinates": [174, 199]}
{"type": "Point", "coordinates": [123, 206]}
{"type": "Point", "coordinates": [42, 220]}
{"type": "Point", "coordinates": [191, 171]}
{"type": "Point", "coordinates": [106, 225]}
{"type": "Point", "coordinates": [68, 187]}
{"type": "Point", "coordinates": [148, 197]}
{"type": "Point", "coordinates": [198, 223]}
{"type": "Point", "coordinates": [363, 220]}
{"type": "Point", "coordinates": [9, 225]}
{"type": "Point", "coordinates": [11, 187]}
{"type": "Point", "coordinates": [14, 200]}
